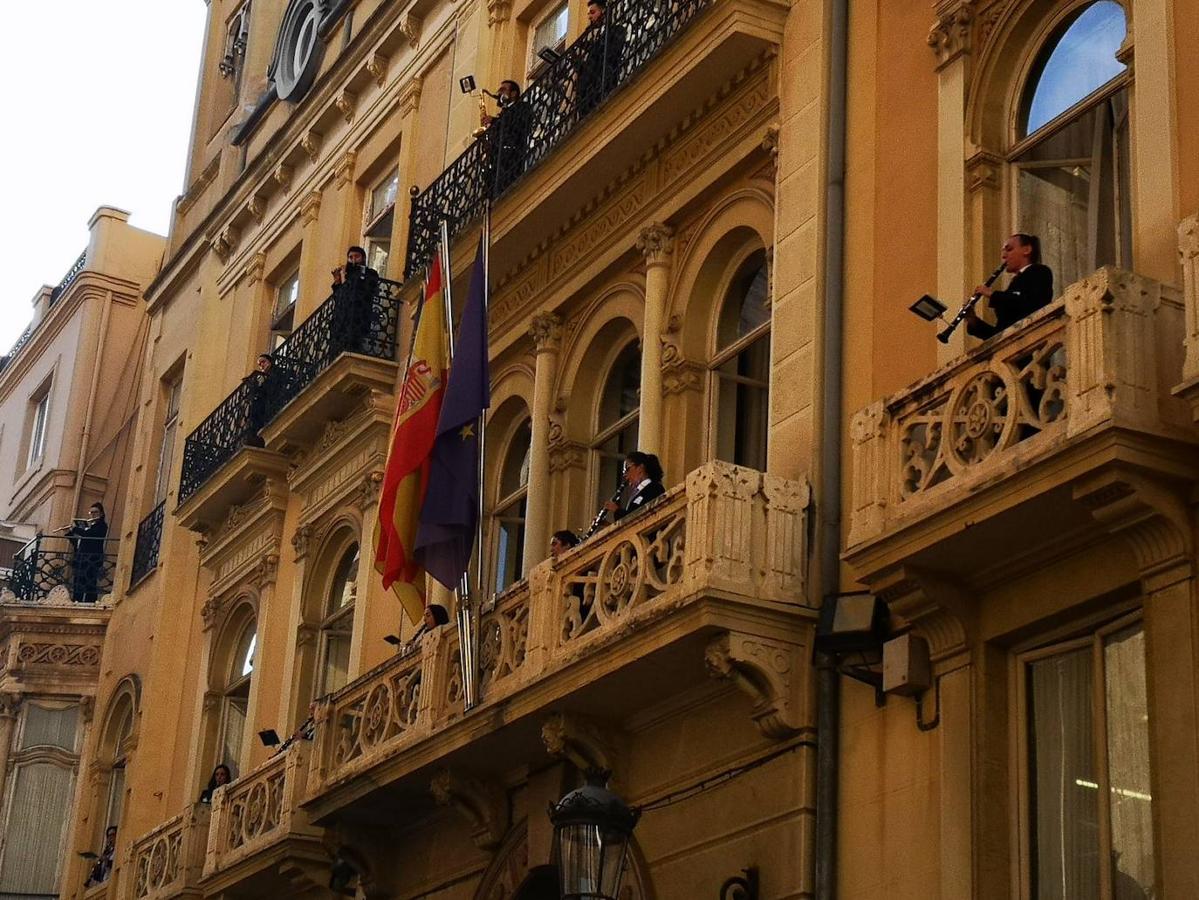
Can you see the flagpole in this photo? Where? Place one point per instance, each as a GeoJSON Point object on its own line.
{"type": "Point", "coordinates": [466, 621]}
{"type": "Point", "coordinates": [486, 239]}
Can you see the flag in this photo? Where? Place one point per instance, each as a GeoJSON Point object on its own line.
{"type": "Point", "coordinates": [406, 475]}
{"type": "Point", "coordinates": [450, 514]}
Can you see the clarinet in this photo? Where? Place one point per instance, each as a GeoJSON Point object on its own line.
{"type": "Point", "coordinates": [598, 521]}
{"type": "Point", "coordinates": [968, 306]}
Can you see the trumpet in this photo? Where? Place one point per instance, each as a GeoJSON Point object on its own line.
{"type": "Point", "coordinates": [598, 521]}
{"type": "Point", "coordinates": [968, 307]}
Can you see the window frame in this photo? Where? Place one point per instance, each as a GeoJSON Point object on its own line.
{"type": "Point", "coordinates": [1092, 636]}
{"type": "Point", "coordinates": [39, 423]}
{"type": "Point", "coordinates": [599, 436]}
{"type": "Point", "coordinates": [172, 393]}
{"type": "Point", "coordinates": [283, 320]}
{"type": "Point", "coordinates": [534, 63]}
{"type": "Point", "coordinates": [339, 622]}
{"type": "Point", "coordinates": [372, 219]}
{"type": "Point", "coordinates": [510, 501]}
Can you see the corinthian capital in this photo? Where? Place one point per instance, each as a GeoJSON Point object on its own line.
{"type": "Point", "coordinates": [656, 242]}
{"type": "Point", "coordinates": [546, 331]}
{"type": "Point", "coordinates": [950, 35]}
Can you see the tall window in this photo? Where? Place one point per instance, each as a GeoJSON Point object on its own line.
{"type": "Point", "coordinates": [549, 32]}
{"type": "Point", "coordinates": [120, 756]}
{"type": "Point", "coordinates": [380, 216]}
{"type": "Point", "coordinates": [616, 426]}
{"type": "Point", "coordinates": [235, 700]}
{"type": "Point", "coordinates": [173, 390]}
{"type": "Point", "coordinates": [337, 624]}
{"type": "Point", "coordinates": [283, 315]}
{"type": "Point", "coordinates": [39, 416]}
{"type": "Point", "coordinates": [1072, 158]}
{"type": "Point", "coordinates": [39, 792]}
{"type": "Point", "coordinates": [741, 368]}
{"type": "Point", "coordinates": [509, 516]}
{"type": "Point", "coordinates": [1089, 807]}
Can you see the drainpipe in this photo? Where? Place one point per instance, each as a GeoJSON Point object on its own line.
{"type": "Point", "coordinates": [85, 439]}
{"type": "Point", "coordinates": [828, 712]}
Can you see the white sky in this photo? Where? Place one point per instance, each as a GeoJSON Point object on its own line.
{"type": "Point", "coordinates": [98, 98]}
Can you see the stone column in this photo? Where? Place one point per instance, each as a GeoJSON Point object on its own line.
{"type": "Point", "coordinates": [950, 40]}
{"type": "Point", "coordinates": [656, 243]}
{"type": "Point", "coordinates": [546, 331]}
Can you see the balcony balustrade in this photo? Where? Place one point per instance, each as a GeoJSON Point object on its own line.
{"type": "Point", "coordinates": [27, 335]}
{"type": "Point", "coordinates": [149, 541]}
{"type": "Point", "coordinates": [257, 812]}
{"type": "Point", "coordinates": [564, 95]}
{"type": "Point", "coordinates": [168, 861]}
{"type": "Point", "coordinates": [1082, 384]}
{"type": "Point", "coordinates": [715, 554]}
{"type": "Point", "coordinates": [348, 322]}
{"type": "Point", "coordinates": [49, 569]}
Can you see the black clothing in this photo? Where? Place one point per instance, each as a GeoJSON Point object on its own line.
{"type": "Point", "coordinates": [259, 385]}
{"type": "Point", "coordinates": [349, 328]}
{"type": "Point", "coordinates": [602, 47]}
{"type": "Point", "coordinates": [1029, 291]}
{"type": "Point", "coordinates": [87, 539]}
{"type": "Point", "coordinates": [508, 143]}
{"type": "Point", "coordinates": [102, 868]}
{"type": "Point", "coordinates": [641, 499]}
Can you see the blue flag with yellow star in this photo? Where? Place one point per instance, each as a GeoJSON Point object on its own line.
{"type": "Point", "coordinates": [449, 516]}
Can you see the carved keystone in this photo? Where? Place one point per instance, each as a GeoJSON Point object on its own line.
{"type": "Point", "coordinates": [768, 671]}
{"type": "Point", "coordinates": [483, 804]}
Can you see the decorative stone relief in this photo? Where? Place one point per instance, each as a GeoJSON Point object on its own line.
{"type": "Point", "coordinates": [1188, 251]}
{"type": "Point", "coordinates": [950, 35]}
{"type": "Point", "coordinates": [282, 175]}
{"type": "Point", "coordinates": [982, 171]}
{"type": "Point", "coordinates": [768, 672]}
{"type": "Point", "coordinates": [346, 103]}
{"type": "Point", "coordinates": [582, 742]}
{"type": "Point", "coordinates": [57, 654]}
{"type": "Point", "coordinates": [410, 27]}
{"type": "Point", "coordinates": [498, 11]}
{"type": "Point", "coordinates": [376, 66]}
{"type": "Point", "coordinates": [368, 489]}
{"type": "Point", "coordinates": [265, 571]}
{"type": "Point", "coordinates": [482, 804]}
{"type": "Point", "coordinates": [310, 143]}
{"type": "Point", "coordinates": [678, 373]}
{"type": "Point", "coordinates": [546, 331]}
{"type": "Point", "coordinates": [310, 208]}
{"type": "Point", "coordinates": [301, 539]}
{"type": "Point", "coordinates": [225, 242]}
{"type": "Point", "coordinates": [410, 95]}
{"type": "Point", "coordinates": [255, 269]}
{"type": "Point", "coordinates": [256, 207]}
{"type": "Point", "coordinates": [1152, 516]}
{"type": "Point", "coordinates": [656, 242]}
{"type": "Point", "coordinates": [344, 171]}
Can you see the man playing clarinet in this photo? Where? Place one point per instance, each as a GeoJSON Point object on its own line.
{"type": "Point", "coordinates": [1030, 289]}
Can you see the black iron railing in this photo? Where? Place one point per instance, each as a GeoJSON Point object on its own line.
{"type": "Point", "coordinates": [356, 319]}
{"type": "Point", "coordinates": [84, 566]}
{"type": "Point", "coordinates": [72, 274]}
{"type": "Point", "coordinates": [594, 67]}
{"type": "Point", "coordinates": [149, 539]}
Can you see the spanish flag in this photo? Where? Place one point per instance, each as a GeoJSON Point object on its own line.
{"type": "Point", "coordinates": [406, 475]}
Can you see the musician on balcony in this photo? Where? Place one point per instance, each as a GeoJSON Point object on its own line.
{"type": "Point", "coordinates": [87, 538]}
{"type": "Point", "coordinates": [507, 135]}
{"type": "Point", "coordinates": [354, 287]}
{"type": "Point", "coordinates": [258, 383]}
{"type": "Point", "coordinates": [642, 475]}
{"type": "Point", "coordinates": [1030, 288]}
{"type": "Point", "coordinates": [102, 867]}
{"type": "Point", "coordinates": [599, 68]}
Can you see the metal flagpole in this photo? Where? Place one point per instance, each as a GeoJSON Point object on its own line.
{"type": "Point", "coordinates": [480, 569]}
{"type": "Point", "coordinates": [466, 621]}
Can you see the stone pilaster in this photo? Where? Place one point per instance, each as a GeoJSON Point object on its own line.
{"type": "Point", "coordinates": [656, 242]}
{"type": "Point", "coordinates": [546, 332]}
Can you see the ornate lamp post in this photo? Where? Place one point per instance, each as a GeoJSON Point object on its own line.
{"type": "Point", "coordinates": [592, 830]}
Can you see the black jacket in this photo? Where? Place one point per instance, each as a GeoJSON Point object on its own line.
{"type": "Point", "coordinates": [641, 499]}
{"type": "Point", "coordinates": [1029, 291]}
{"type": "Point", "coordinates": [88, 539]}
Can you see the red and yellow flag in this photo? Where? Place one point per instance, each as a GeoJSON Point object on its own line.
{"type": "Point", "coordinates": [406, 475]}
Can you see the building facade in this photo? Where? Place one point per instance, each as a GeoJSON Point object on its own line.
{"type": "Point", "coordinates": [68, 404]}
{"type": "Point", "coordinates": [707, 221]}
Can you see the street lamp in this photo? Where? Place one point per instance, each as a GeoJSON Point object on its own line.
{"type": "Point", "coordinates": [592, 831]}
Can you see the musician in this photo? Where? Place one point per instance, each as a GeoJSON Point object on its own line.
{"type": "Point", "coordinates": [87, 538]}
{"type": "Point", "coordinates": [643, 483]}
{"type": "Point", "coordinates": [354, 286]}
{"type": "Point", "coordinates": [102, 867]}
{"type": "Point", "coordinates": [508, 134]}
{"type": "Point", "coordinates": [1030, 288]}
{"type": "Point", "coordinates": [561, 541]}
{"type": "Point", "coordinates": [259, 384]}
{"type": "Point", "coordinates": [599, 66]}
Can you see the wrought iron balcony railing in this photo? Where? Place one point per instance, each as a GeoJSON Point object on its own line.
{"type": "Point", "coordinates": [594, 67]}
{"type": "Point", "coordinates": [55, 567]}
{"type": "Point", "coordinates": [350, 321]}
{"type": "Point", "coordinates": [27, 334]}
{"type": "Point", "coordinates": [149, 539]}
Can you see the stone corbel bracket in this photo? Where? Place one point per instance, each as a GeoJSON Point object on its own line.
{"type": "Point", "coordinates": [581, 742]}
{"type": "Point", "coordinates": [482, 804]}
{"type": "Point", "coordinates": [769, 672]}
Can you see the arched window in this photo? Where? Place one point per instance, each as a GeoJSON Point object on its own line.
{"type": "Point", "coordinates": [616, 424]}
{"type": "Point", "coordinates": [337, 624]}
{"type": "Point", "coordinates": [741, 367]}
{"type": "Point", "coordinates": [119, 756]}
{"type": "Point", "coordinates": [1072, 156]}
{"type": "Point", "coordinates": [510, 508]}
{"type": "Point", "coordinates": [235, 697]}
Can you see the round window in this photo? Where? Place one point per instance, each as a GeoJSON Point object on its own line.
{"type": "Point", "coordinates": [298, 50]}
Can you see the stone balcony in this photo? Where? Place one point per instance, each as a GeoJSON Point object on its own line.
{"type": "Point", "coordinates": [259, 840]}
{"type": "Point", "coordinates": [167, 862]}
{"type": "Point", "coordinates": [1028, 434]}
{"type": "Point", "coordinates": [710, 578]}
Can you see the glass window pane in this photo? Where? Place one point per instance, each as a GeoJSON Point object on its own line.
{"type": "Point", "coordinates": [510, 545]}
{"type": "Point", "coordinates": [38, 800]}
{"type": "Point", "coordinates": [243, 658]}
{"type": "Point", "coordinates": [337, 661]}
{"type": "Point", "coordinates": [612, 453]}
{"type": "Point", "coordinates": [550, 31]}
{"type": "Point", "coordinates": [344, 587]}
{"type": "Point", "coordinates": [1063, 784]}
{"type": "Point", "coordinates": [384, 194]}
{"type": "Point", "coordinates": [1128, 763]}
{"type": "Point", "coordinates": [515, 474]}
{"type": "Point", "coordinates": [116, 796]}
{"type": "Point", "coordinates": [287, 294]}
{"type": "Point", "coordinates": [747, 304]}
{"type": "Point", "coordinates": [1080, 62]}
{"type": "Point", "coordinates": [234, 728]}
{"type": "Point", "coordinates": [622, 389]}
{"type": "Point", "coordinates": [49, 727]}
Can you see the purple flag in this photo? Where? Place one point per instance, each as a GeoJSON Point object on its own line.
{"type": "Point", "coordinates": [449, 516]}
